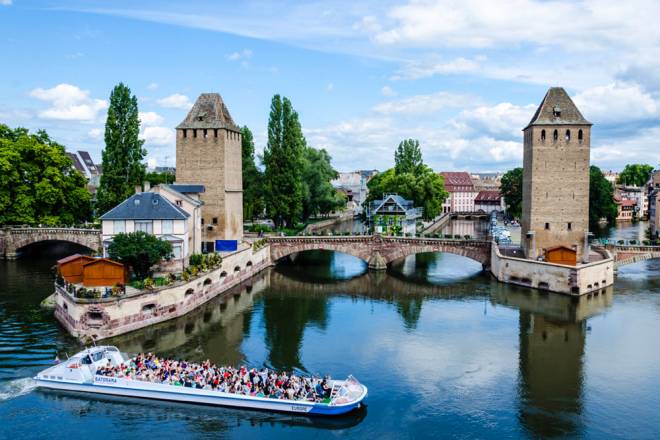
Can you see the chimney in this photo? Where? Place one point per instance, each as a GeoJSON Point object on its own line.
{"type": "Point", "coordinates": [138, 189]}
{"type": "Point", "coordinates": [147, 186]}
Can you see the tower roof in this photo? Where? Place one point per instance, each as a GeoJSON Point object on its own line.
{"type": "Point", "coordinates": [557, 108]}
{"type": "Point", "coordinates": [209, 111]}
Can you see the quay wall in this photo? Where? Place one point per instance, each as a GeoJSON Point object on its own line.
{"type": "Point", "coordinates": [571, 280]}
{"type": "Point", "coordinates": [106, 317]}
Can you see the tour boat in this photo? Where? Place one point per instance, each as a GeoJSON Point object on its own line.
{"type": "Point", "coordinates": [78, 373]}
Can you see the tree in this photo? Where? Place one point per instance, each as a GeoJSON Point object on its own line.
{"type": "Point", "coordinates": [140, 251]}
{"type": "Point", "coordinates": [283, 164]}
{"type": "Point", "coordinates": [601, 198]}
{"type": "Point", "coordinates": [408, 157]}
{"type": "Point", "coordinates": [155, 178]}
{"type": "Point", "coordinates": [319, 196]}
{"type": "Point", "coordinates": [123, 156]}
{"type": "Point", "coordinates": [413, 181]}
{"type": "Point", "coordinates": [38, 183]}
{"type": "Point", "coordinates": [635, 174]}
{"type": "Point", "coordinates": [253, 202]}
{"type": "Point", "coordinates": [511, 189]}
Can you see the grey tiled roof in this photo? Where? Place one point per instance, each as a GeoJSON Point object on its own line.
{"type": "Point", "coordinates": [76, 163]}
{"type": "Point", "coordinates": [146, 206]}
{"type": "Point", "coordinates": [209, 111]}
{"type": "Point", "coordinates": [557, 108]}
{"type": "Point", "coordinates": [184, 188]}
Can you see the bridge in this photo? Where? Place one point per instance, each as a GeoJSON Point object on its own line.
{"type": "Point", "coordinates": [629, 254]}
{"type": "Point", "coordinates": [13, 239]}
{"type": "Point", "coordinates": [378, 251]}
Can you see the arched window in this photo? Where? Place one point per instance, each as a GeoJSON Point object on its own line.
{"type": "Point", "coordinates": [189, 292]}
{"type": "Point", "coordinates": [555, 135]}
{"type": "Point", "coordinates": [237, 269]}
{"type": "Point", "coordinates": [543, 135]}
{"type": "Point", "coordinates": [223, 274]}
{"type": "Point", "coordinates": [207, 281]}
{"type": "Point", "coordinates": [567, 136]}
{"type": "Point", "coordinates": [206, 133]}
{"type": "Point", "coordinates": [580, 136]}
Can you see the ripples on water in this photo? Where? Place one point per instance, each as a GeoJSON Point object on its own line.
{"type": "Point", "coordinates": [445, 351]}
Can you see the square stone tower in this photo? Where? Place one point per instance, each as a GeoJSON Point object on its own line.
{"type": "Point", "coordinates": [555, 206]}
{"type": "Point", "coordinates": [208, 152]}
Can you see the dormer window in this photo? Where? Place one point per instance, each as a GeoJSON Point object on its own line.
{"type": "Point", "coordinates": [556, 111]}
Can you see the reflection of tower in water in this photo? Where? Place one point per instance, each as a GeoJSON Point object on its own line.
{"type": "Point", "coordinates": [552, 336]}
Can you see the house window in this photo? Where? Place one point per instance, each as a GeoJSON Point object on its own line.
{"type": "Point", "coordinates": [168, 226]}
{"type": "Point", "coordinates": [144, 226]}
{"type": "Point", "coordinates": [119, 226]}
{"type": "Point", "coordinates": [176, 251]}
{"type": "Point", "coordinates": [547, 226]}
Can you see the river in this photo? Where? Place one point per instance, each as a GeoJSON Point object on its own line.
{"type": "Point", "coordinates": [445, 351]}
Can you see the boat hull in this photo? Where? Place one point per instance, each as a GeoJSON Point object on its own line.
{"type": "Point", "coordinates": [147, 390]}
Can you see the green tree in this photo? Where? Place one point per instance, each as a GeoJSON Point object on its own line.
{"type": "Point", "coordinates": [155, 178]}
{"type": "Point", "coordinates": [319, 196]}
{"type": "Point", "coordinates": [408, 157]}
{"type": "Point", "coordinates": [635, 174]}
{"type": "Point", "coordinates": [38, 184]}
{"type": "Point", "coordinates": [511, 189]}
{"type": "Point", "coordinates": [283, 160]}
{"type": "Point", "coordinates": [415, 181]}
{"type": "Point", "coordinates": [123, 156]}
{"type": "Point", "coordinates": [140, 251]}
{"type": "Point", "coordinates": [253, 201]}
{"type": "Point", "coordinates": [601, 198]}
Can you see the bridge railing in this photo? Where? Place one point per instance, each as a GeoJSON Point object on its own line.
{"type": "Point", "coordinates": [23, 230]}
{"type": "Point", "coordinates": [627, 243]}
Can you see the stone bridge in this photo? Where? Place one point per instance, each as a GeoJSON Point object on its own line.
{"type": "Point", "coordinates": [379, 251]}
{"type": "Point", "coordinates": [13, 239]}
{"type": "Point", "coordinates": [629, 254]}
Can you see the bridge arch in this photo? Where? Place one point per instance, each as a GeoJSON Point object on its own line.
{"type": "Point", "coordinates": [279, 252]}
{"type": "Point", "coordinates": [13, 240]}
{"type": "Point", "coordinates": [475, 254]}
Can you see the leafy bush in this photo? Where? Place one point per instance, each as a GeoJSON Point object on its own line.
{"type": "Point", "coordinates": [457, 235]}
{"type": "Point", "coordinates": [140, 251]}
{"type": "Point", "coordinates": [467, 236]}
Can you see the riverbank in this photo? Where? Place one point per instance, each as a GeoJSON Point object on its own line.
{"type": "Point", "coordinates": [100, 318]}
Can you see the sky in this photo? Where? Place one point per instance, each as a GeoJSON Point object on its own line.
{"type": "Point", "coordinates": [462, 76]}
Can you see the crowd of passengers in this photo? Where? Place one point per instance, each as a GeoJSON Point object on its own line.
{"type": "Point", "coordinates": [208, 376]}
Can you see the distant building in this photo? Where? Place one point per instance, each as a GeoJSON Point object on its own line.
{"type": "Point", "coordinates": [393, 214]}
{"type": "Point", "coordinates": [489, 201]}
{"type": "Point", "coordinates": [157, 212]}
{"type": "Point", "coordinates": [82, 161]}
{"type": "Point", "coordinates": [611, 176]}
{"type": "Point", "coordinates": [165, 170]}
{"type": "Point", "coordinates": [639, 194]}
{"type": "Point", "coordinates": [653, 189]}
{"type": "Point", "coordinates": [626, 208]}
{"type": "Point", "coordinates": [461, 191]}
{"type": "Point", "coordinates": [354, 185]}
{"type": "Point", "coordinates": [486, 181]}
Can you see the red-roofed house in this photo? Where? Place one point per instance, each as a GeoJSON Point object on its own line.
{"type": "Point", "coordinates": [488, 201]}
{"type": "Point", "coordinates": [461, 192]}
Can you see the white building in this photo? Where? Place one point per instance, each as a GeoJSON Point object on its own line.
{"type": "Point", "coordinates": [163, 212]}
{"type": "Point", "coordinates": [354, 185]}
{"type": "Point", "coordinates": [461, 192]}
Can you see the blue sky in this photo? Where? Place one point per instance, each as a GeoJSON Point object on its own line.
{"type": "Point", "coordinates": [462, 76]}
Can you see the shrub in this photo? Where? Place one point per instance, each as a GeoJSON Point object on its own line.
{"type": "Point", "coordinates": [457, 235]}
{"type": "Point", "coordinates": [148, 283]}
{"type": "Point", "coordinates": [467, 236]}
{"type": "Point", "coordinates": [140, 251]}
{"type": "Point", "coordinates": [447, 235]}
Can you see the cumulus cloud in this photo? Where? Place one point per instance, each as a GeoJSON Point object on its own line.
{"type": "Point", "coordinates": [616, 102]}
{"type": "Point", "coordinates": [150, 119]}
{"type": "Point", "coordinates": [423, 104]}
{"type": "Point", "coordinates": [95, 133]}
{"type": "Point", "coordinates": [423, 68]}
{"type": "Point", "coordinates": [176, 100]}
{"type": "Point", "coordinates": [504, 119]}
{"type": "Point", "coordinates": [70, 103]}
{"type": "Point", "coordinates": [159, 136]}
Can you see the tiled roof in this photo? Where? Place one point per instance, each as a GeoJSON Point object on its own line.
{"type": "Point", "coordinates": [76, 163]}
{"type": "Point", "coordinates": [557, 108]}
{"type": "Point", "coordinates": [146, 206]}
{"type": "Point", "coordinates": [89, 163]}
{"type": "Point", "coordinates": [209, 111]}
{"type": "Point", "coordinates": [187, 188]}
{"type": "Point", "coordinates": [457, 181]}
{"type": "Point", "coordinates": [488, 196]}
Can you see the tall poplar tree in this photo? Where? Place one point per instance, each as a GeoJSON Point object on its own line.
{"type": "Point", "coordinates": [283, 189]}
{"type": "Point", "coordinates": [123, 156]}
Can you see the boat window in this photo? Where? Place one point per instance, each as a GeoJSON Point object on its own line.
{"type": "Point", "coordinates": [97, 356]}
{"type": "Point", "coordinates": [86, 360]}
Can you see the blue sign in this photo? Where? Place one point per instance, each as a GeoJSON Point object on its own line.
{"type": "Point", "coordinates": [226, 245]}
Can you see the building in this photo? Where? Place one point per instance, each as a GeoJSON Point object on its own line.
{"type": "Point", "coordinates": [354, 185]}
{"type": "Point", "coordinates": [393, 215]}
{"type": "Point", "coordinates": [486, 181]}
{"type": "Point", "coordinates": [611, 176]}
{"type": "Point", "coordinates": [653, 188]}
{"type": "Point", "coordinates": [489, 201]}
{"type": "Point", "coordinates": [154, 213]}
{"type": "Point", "coordinates": [461, 191]}
{"type": "Point", "coordinates": [82, 161]}
{"type": "Point", "coordinates": [188, 198]}
{"type": "Point", "coordinates": [208, 152]}
{"type": "Point", "coordinates": [555, 206]}
{"type": "Point", "coordinates": [91, 272]}
{"type": "Point", "coordinates": [637, 194]}
{"type": "Point", "coordinates": [626, 208]}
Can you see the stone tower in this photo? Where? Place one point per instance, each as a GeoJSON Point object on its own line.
{"type": "Point", "coordinates": [555, 206]}
{"type": "Point", "coordinates": [208, 152]}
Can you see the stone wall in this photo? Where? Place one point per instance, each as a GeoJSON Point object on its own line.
{"type": "Point", "coordinates": [12, 239]}
{"type": "Point", "coordinates": [102, 318]}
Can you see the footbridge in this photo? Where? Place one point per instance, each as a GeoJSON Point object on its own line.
{"type": "Point", "coordinates": [12, 239]}
{"type": "Point", "coordinates": [629, 254]}
{"type": "Point", "coordinates": [378, 251]}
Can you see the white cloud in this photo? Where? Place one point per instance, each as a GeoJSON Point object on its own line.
{"type": "Point", "coordinates": [504, 119]}
{"type": "Point", "coordinates": [387, 91]}
{"type": "Point", "coordinates": [5, 2]}
{"type": "Point", "coordinates": [424, 68]}
{"type": "Point", "coordinates": [241, 55]}
{"type": "Point", "coordinates": [69, 103]}
{"type": "Point", "coordinates": [424, 104]}
{"type": "Point", "coordinates": [150, 119]}
{"type": "Point", "coordinates": [95, 133]}
{"type": "Point", "coordinates": [159, 136]}
{"type": "Point", "coordinates": [616, 102]}
{"type": "Point", "coordinates": [152, 86]}
{"type": "Point", "coordinates": [176, 100]}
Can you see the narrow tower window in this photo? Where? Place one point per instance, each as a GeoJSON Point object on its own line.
{"type": "Point", "coordinates": [580, 136]}
{"type": "Point", "coordinates": [542, 135]}
{"type": "Point", "coordinates": [547, 226]}
{"type": "Point", "coordinates": [555, 136]}
{"type": "Point", "coordinates": [569, 226]}
{"type": "Point", "coordinates": [568, 135]}
{"type": "Point", "coordinates": [194, 132]}
{"type": "Point", "coordinates": [185, 133]}
{"type": "Point", "coordinates": [206, 133]}
{"type": "Point", "coordinates": [215, 132]}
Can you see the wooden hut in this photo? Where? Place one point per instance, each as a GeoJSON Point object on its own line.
{"type": "Point", "coordinates": [71, 267]}
{"type": "Point", "coordinates": [103, 272]}
{"type": "Point", "coordinates": [561, 255]}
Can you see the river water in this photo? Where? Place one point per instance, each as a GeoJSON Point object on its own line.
{"type": "Point", "coordinates": [445, 351]}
